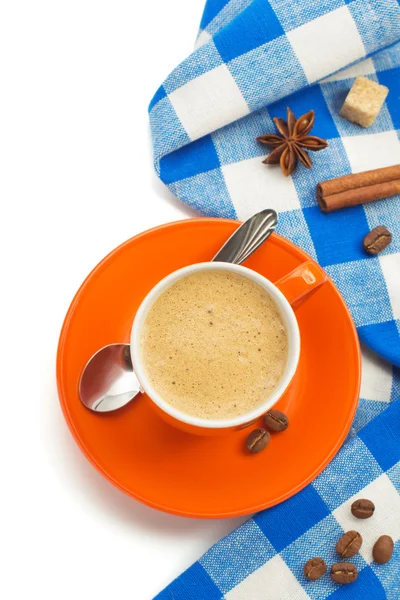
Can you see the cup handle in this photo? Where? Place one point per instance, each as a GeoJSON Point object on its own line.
{"type": "Point", "coordinates": [300, 282]}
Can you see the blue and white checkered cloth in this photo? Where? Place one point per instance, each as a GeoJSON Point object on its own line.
{"type": "Point", "coordinates": [253, 59]}
{"type": "Point", "coordinates": [264, 558]}
{"type": "Point", "coordinates": [206, 116]}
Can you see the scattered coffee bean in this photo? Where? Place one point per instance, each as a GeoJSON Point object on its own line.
{"type": "Point", "coordinates": [344, 572]}
{"type": "Point", "coordinates": [314, 568]}
{"type": "Point", "coordinates": [377, 240]}
{"type": "Point", "coordinates": [363, 508]}
{"type": "Point", "coordinates": [257, 440]}
{"type": "Point", "coordinates": [275, 420]}
{"type": "Point", "coordinates": [349, 544]}
{"type": "Point", "coordinates": [383, 549]}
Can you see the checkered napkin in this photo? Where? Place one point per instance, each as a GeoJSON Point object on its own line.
{"type": "Point", "coordinates": [264, 558]}
{"type": "Point", "coordinates": [253, 59]}
{"type": "Point", "coordinates": [251, 55]}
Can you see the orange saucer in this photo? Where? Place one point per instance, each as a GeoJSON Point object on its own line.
{"type": "Point", "coordinates": [207, 476]}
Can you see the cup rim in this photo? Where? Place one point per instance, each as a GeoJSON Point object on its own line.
{"type": "Point", "coordinates": [293, 338]}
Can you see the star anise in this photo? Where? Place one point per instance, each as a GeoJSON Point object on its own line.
{"type": "Point", "coordinates": [291, 144]}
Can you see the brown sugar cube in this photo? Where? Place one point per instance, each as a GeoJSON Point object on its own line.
{"type": "Point", "coordinates": [364, 101]}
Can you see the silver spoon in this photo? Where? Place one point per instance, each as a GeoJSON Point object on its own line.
{"type": "Point", "coordinates": [108, 381]}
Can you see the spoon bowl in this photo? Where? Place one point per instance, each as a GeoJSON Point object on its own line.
{"type": "Point", "coordinates": [108, 381]}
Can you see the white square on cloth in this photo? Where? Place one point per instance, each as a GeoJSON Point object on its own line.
{"type": "Point", "coordinates": [365, 67]}
{"type": "Point", "coordinates": [385, 520]}
{"type": "Point", "coordinates": [268, 582]}
{"type": "Point", "coordinates": [377, 377]}
{"type": "Point", "coordinates": [208, 102]}
{"type": "Point", "coordinates": [327, 43]}
{"type": "Point", "coordinates": [390, 264]}
{"type": "Point", "coordinates": [203, 38]}
{"type": "Point", "coordinates": [254, 186]}
{"type": "Point", "coordinates": [372, 150]}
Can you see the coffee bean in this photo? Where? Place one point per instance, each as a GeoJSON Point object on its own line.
{"type": "Point", "coordinates": [363, 508]}
{"type": "Point", "coordinates": [383, 549]}
{"type": "Point", "coordinates": [344, 572]}
{"type": "Point", "coordinates": [257, 440]}
{"type": "Point", "coordinates": [377, 240]}
{"type": "Point", "coordinates": [349, 544]}
{"type": "Point", "coordinates": [314, 568]}
{"type": "Point", "coordinates": [275, 420]}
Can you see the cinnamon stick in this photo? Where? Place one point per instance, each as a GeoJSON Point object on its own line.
{"type": "Point", "coordinates": [359, 188]}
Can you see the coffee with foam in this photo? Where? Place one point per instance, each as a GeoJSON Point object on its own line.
{"type": "Point", "coordinates": [214, 345]}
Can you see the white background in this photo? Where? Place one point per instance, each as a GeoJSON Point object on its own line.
{"type": "Point", "coordinates": [76, 180]}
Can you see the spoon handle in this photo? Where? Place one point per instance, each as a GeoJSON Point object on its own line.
{"type": "Point", "coordinates": [248, 237]}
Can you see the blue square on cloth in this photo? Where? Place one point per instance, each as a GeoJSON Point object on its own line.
{"type": "Point", "coordinates": [238, 140]}
{"type": "Point", "coordinates": [366, 583]}
{"type": "Point", "coordinates": [292, 225]}
{"type": "Point", "coordinates": [194, 583]}
{"type": "Point", "coordinates": [252, 70]}
{"type": "Point", "coordinates": [395, 383]}
{"type": "Point", "coordinates": [159, 95]}
{"type": "Point", "coordinates": [255, 26]}
{"type": "Point", "coordinates": [366, 411]}
{"type": "Point", "coordinates": [198, 157]}
{"type": "Point", "coordinates": [384, 337]}
{"type": "Point", "coordinates": [382, 438]}
{"type": "Point", "coordinates": [396, 361]}
{"type": "Point", "coordinates": [284, 523]}
{"type": "Point", "coordinates": [391, 79]}
{"type": "Point", "coordinates": [300, 13]}
{"type": "Point", "coordinates": [211, 10]}
{"type": "Point", "coordinates": [245, 550]}
{"type": "Point", "coordinates": [336, 484]}
{"type": "Point", "coordinates": [207, 193]}
{"type": "Point", "coordinates": [301, 103]}
{"type": "Point", "coordinates": [394, 476]}
{"type": "Point", "coordinates": [338, 235]}
{"type": "Point", "coordinates": [166, 127]}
